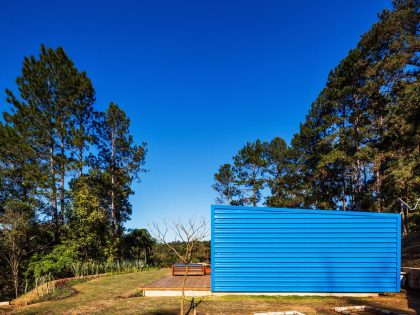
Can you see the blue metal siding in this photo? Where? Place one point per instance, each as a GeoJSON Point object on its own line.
{"type": "Point", "coordinates": [297, 250]}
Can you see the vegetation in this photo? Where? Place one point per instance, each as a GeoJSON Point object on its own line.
{"type": "Point", "coordinates": [163, 256]}
{"type": "Point", "coordinates": [65, 176]}
{"type": "Point", "coordinates": [119, 294]}
{"type": "Point", "coordinates": [14, 240]}
{"type": "Point", "coordinates": [359, 147]}
{"type": "Point", "coordinates": [66, 169]}
{"type": "Point", "coordinates": [62, 291]}
{"type": "Point", "coordinates": [138, 243]}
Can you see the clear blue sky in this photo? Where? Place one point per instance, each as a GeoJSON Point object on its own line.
{"type": "Point", "coordinates": [197, 78]}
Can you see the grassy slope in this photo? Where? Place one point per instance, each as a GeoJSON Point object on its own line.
{"type": "Point", "coordinates": [95, 295]}
{"type": "Point", "coordinates": [114, 295]}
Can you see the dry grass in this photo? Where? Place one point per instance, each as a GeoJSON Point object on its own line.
{"type": "Point", "coordinates": [119, 295]}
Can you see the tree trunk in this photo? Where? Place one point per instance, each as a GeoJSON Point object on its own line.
{"type": "Point", "coordinates": [113, 182]}
{"type": "Point", "coordinates": [358, 177]}
{"type": "Point", "coordinates": [379, 168]}
{"type": "Point", "coordinates": [14, 264]}
{"type": "Point", "coordinates": [16, 284]}
{"type": "Point", "coordinates": [183, 288]}
{"type": "Point", "coordinates": [54, 190]}
{"type": "Point", "coordinates": [62, 182]}
{"type": "Point", "coordinates": [113, 202]}
{"type": "Point", "coordinates": [254, 193]}
{"type": "Point", "coordinates": [343, 197]}
{"type": "Point", "coordinates": [364, 178]}
{"type": "Point", "coordinates": [403, 220]}
{"type": "Point", "coordinates": [353, 190]}
{"type": "Point", "coordinates": [81, 160]}
{"type": "Point", "coordinates": [405, 211]}
{"type": "Point", "coordinates": [343, 166]}
{"type": "Point", "coordinates": [378, 186]}
{"type": "Point", "coordinates": [359, 184]}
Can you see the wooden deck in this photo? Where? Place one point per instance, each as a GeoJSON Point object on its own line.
{"type": "Point", "coordinates": [174, 283]}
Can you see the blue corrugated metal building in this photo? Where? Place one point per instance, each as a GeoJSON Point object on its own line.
{"type": "Point", "coordinates": [296, 250]}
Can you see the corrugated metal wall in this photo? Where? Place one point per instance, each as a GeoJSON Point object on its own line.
{"type": "Point", "coordinates": [291, 250]}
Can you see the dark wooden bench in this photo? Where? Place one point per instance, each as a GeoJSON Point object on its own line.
{"type": "Point", "coordinates": [193, 270]}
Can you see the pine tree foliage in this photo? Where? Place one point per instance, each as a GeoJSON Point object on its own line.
{"type": "Point", "coordinates": [225, 185]}
{"type": "Point", "coordinates": [120, 159]}
{"type": "Point", "coordinates": [52, 95]}
{"type": "Point", "coordinates": [359, 146]}
{"type": "Point", "coordinates": [250, 164]}
{"type": "Point", "coordinates": [65, 171]}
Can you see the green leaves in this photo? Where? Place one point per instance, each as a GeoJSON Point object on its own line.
{"type": "Point", "coordinates": [358, 148]}
{"type": "Point", "coordinates": [56, 263]}
{"type": "Point", "coordinates": [121, 159]}
{"type": "Point", "coordinates": [225, 185]}
{"type": "Point", "coordinates": [88, 228]}
{"type": "Point", "coordinates": [250, 164]}
{"type": "Point", "coordinates": [137, 244]}
{"type": "Point", "coordinates": [257, 166]}
{"type": "Point", "coordinates": [52, 115]}
{"type": "Point", "coordinates": [51, 137]}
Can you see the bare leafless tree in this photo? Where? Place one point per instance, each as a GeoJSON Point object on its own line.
{"type": "Point", "coordinates": [190, 232]}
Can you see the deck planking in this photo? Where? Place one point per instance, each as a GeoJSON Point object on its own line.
{"type": "Point", "coordinates": [200, 283]}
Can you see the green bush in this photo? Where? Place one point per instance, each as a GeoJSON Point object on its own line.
{"type": "Point", "coordinates": [56, 263]}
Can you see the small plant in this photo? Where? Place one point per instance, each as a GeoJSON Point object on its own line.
{"type": "Point", "coordinates": [58, 289]}
{"type": "Point", "coordinates": [89, 268]}
{"type": "Point", "coordinates": [57, 293]}
{"type": "Point", "coordinates": [136, 294]}
{"type": "Point", "coordinates": [73, 282]}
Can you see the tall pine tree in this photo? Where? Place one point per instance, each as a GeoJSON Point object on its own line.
{"type": "Point", "coordinates": [225, 186]}
{"type": "Point", "coordinates": [52, 95]}
{"type": "Point", "coordinates": [250, 164]}
{"type": "Point", "coordinates": [121, 159]}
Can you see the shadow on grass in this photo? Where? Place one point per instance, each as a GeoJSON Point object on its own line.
{"type": "Point", "coordinates": [193, 304]}
{"type": "Point", "coordinates": [413, 297]}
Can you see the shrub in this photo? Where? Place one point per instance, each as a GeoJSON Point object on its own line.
{"type": "Point", "coordinates": [56, 263]}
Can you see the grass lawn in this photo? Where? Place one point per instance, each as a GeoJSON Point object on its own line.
{"type": "Point", "coordinates": [119, 295]}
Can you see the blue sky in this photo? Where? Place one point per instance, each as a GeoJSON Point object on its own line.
{"type": "Point", "coordinates": [197, 78]}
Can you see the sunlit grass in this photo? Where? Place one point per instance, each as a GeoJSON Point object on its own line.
{"type": "Point", "coordinates": [120, 294]}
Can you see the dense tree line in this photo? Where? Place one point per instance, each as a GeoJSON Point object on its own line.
{"type": "Point", "coordinates": [165, 257]}
{"type": "Point", "coordinates": [139, 244]}
{"type": "Point", "coordinates": [66, 170]}
{"type": "Point", "coordinates": [359, 146]}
